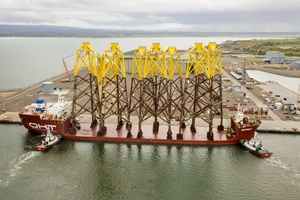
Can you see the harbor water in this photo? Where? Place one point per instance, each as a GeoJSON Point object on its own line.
{"type": "Point", "coordinates": [94, 170]}
{"type": "Point", "coordinates": [26, 61]}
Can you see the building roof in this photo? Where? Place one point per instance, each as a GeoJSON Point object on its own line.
{"type": "Point", "coordinates": [235, 75]}
{"type": "Point", "coordinates": [287, 103]}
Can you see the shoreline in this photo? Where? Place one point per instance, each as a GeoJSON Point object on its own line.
{"type": "Point", "coordinates": [6, 92]}
{"type": "Point", "coordinates": [11, 116]}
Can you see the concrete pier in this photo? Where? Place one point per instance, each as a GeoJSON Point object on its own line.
{"type": "Point", "coordinates": [17, 101]}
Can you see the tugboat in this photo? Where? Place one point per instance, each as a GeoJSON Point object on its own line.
{"type": "Point", "coordinates": [255, 147]}
{"type": "Point", "coordinates": [48, 142]}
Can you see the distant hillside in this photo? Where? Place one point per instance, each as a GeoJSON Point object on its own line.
{"type": "Point", "coordinates": [64, 31]}
{"type": "Point", "coordinates": [290, 47]}
{"type": "Point", "coordinates": [48, 31]}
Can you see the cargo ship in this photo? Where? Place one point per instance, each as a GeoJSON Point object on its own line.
{"type": "Point", "coordinates": [158, 90]}
{"type": "Point", "coordinates": [56, 117]}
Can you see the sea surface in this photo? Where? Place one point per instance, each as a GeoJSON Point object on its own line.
{"type": "Point", "coordinates": [94, 170]}
{"type": "Point", "coordinates": [26, 61]}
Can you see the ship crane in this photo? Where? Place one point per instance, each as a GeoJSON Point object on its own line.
{"type": "Point", "coordinates": [68, 79]}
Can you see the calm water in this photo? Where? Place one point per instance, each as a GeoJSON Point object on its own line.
{"type": "Point", "coordinates": [93, 170]}
{"type": "Point", "coordinates": [26, 61]}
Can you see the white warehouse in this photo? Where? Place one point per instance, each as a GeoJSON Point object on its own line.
{"type": "Point", "coordinates": [275, 57]}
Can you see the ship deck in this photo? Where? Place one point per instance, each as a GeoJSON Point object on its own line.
{"type": "Point", "coordinates": [85, 133]}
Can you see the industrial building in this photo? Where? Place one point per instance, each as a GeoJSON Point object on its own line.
{"type": "Point", "coordinates": [275, 57]}
{"type": "Point", "coordinates": [296, 64]}
{"type": "Point", "coordinates": [236, 76]}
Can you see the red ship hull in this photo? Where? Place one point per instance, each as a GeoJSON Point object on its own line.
{"type": "Point", "coordinates": [35, 124]}
{"type": "Point", "coordinates": [261, 155]}
{"type": "Point", "coordinates": [244, 130]}
{"type": "Point", "coordinates": [39, 122]}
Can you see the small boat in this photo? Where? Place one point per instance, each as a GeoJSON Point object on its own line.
{"type": "Point", "coordinates": [255, 147]}
{"type": "Point", "coordinates": [48, 142]}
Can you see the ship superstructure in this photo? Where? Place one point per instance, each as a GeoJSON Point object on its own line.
{"type": "Point", "coordinates": [41, 116]}
{"type": "Point", "coordinates": [244, 127]}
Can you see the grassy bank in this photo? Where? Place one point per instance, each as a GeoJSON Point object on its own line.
{"type": "Point", "coordinates": [291, 47]}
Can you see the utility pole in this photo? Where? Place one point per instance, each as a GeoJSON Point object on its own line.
{"type": "Point", "coordinates": [3, 105]}
{"type": "Point", "coordinates": [244, 71]}
{"type": "Point", "coordinates": [297, 104]}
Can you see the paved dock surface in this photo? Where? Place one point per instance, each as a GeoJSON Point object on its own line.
{"type": "Point", "coordinates": [17, 103]}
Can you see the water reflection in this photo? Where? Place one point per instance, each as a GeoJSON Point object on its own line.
{"type": "Point", "coordinates": [95, 170]}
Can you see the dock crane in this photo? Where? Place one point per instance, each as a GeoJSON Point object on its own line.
{"type": "Point", "coordinates": [68, 79]}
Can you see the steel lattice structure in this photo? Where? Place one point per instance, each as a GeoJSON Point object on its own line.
{"type": "Point", "coordinates": [85, 85]}
{"type": "Point", "coordinates": [112, 87]}
{"type": "Point", "coordinates": [137, 99]}
{"type": "Point", "coordinates": [202, 92]}
{"type": "Point", "coordinates": [158, 87]}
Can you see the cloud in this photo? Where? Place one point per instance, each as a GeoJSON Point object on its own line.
{"type": "Point", "coordinates": [176, 15]}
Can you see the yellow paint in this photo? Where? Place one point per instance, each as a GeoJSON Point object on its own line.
{"type": "Point", "coordinates": [84, 58]}
{"type": "Point", "coordinates": [149, 63]}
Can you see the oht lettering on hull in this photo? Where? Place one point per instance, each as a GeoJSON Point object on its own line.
{"type": "Point", "coordinates": [46, 126]}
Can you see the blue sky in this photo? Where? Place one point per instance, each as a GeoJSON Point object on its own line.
{"type": "Point", "coordinates": [165, 15]}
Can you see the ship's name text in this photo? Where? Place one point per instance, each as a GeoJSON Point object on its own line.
{"type": "Point", "coordinates": [38, 126]}
{"type": "Point", "coordinates": [246, 129]}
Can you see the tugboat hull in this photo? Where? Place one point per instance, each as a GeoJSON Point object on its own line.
{"type": "Point", "coordinates": [45, 147]}
{"type": "Point", "coordinates": [254, 147]}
